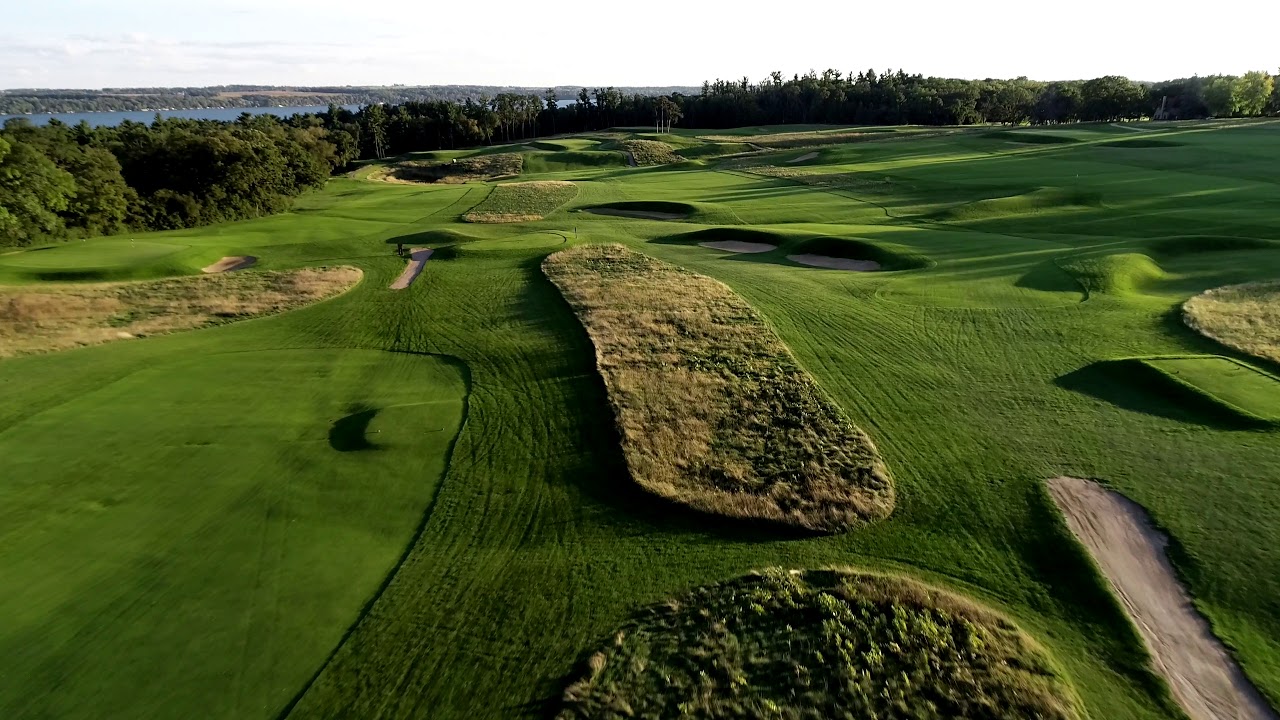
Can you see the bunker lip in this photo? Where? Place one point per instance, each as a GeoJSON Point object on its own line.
{"type": "Point", "coordinates": [641, 214]}
{"type": "Point", "coordinates": [806, 156]}
{"type": "Point", "coordinates": [231, 263]}
{"type": "Point", "coordinates": [835, 263]}
{"type": "Point", "coordinates": [738, 246]}
{"type": "Point", "coordinates": [417, 259]}
{"type": "Point", "coordinates": [1131, 553]}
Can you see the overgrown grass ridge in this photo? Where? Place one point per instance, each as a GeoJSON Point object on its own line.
{"type": "Point", "coordinates": [60, 317]}
{"type": "Point", "coordinates": [820, 644]}
{"type": "Point", "coordinates": [713, 411]}
{"type": "Point", "coordinates": [1244, 317]}
{"type": "Point", "coordinates": [522, 202]}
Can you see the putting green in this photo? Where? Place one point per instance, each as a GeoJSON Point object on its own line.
{"type": "Point", "coordinates": [259, 497]}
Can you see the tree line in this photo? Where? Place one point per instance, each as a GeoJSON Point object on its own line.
{"type": "Point", "coordinates": [864, 98]}
{"type": "Point", "coordinates": [27, 101]}
{"type": "Point", "coordinates": [60, 181]}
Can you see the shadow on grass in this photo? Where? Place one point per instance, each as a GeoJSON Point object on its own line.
{"type": "Point", "coordinates": [350, 433]}
{"type": "Point", "coordinates": [1131, 385]}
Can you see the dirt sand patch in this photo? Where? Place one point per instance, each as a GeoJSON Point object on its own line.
{"type": "Point", "coordinates": [738, 246]}
{"type": "Point", "coordinates": [1131, 553]}
{"type": "Point", "coordinates": [231, 264]}
{"type": "Point", "coordinates": [835, 263]}
{"type": "Point", "coordinates": [642, 214]}
{"type": "Point", "coordinates": [417, 259]}
{"type": "Point", "coordinates": [804, 157]}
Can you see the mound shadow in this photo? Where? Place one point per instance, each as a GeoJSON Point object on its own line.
{"type": "Point", "coordinates": [1132, 385]}
{"type": "Point", "coordinates": [350, 433]}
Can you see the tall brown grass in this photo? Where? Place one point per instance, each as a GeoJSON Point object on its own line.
{"type": "Point", "coordinates": [1244, 317]}
{"type": "Point", "coordinates": [58, 317]}
{"type": "Point", "coordinates": [713, 410]}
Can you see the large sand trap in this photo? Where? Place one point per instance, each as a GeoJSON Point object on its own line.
{"type": "Point", "coordinates": [802, 158]}
{"type": "Point", "coordinates": [232, 263]}
{"type": "Point", "coordinates": [417, 259]}
{"type": "Point", "coordinates": [642, 214]}
{"type": "Point", "coordinates": [738, 246]}
{"type": "Point", "coordinates": [835, 263]}
{"type": "Point", "coordinates": [1204, 679]}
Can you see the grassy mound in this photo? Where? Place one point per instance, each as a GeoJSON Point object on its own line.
{"type": "Point", "coordinates": [1191, 244]}
{"type": "Point", "coordinates": [522, 202]}
{"type": "Point", "coordinates": [726, 234]}
{"type": "Point", "coordinates": [713, 411]}
{"type": "Point", "coordinates": [563, 161]}
{"type": "Point", "coordinates": [56, 318]}
{"type": "Point", "coordinates": [460, 170]}
{"type": "Point", "coordinates": [1044, 200]}
{"type": "Point", "coordinates": [650, 152]}
{"type": "Point", "coordinates": [889, 257]}
{"type": "Point", "coordinates": [1031, 138]}
{"type": "Point", "coordinates": [820, 644]}
{"type": "Point", "coordinates": [1138, 143]}
{"type": "Point", "coordinates": [707, 151]}
{"type": "Point", "coordinates": [98, 260]}
{"type": "Point", "coordinates": [1219, 384]}
{"type": "Point", "coordinates": [1245, 317]}
{"type": "Point", "coordinates": [648, 209]}
{"type": "Point", "coordinates": [1120, 274]}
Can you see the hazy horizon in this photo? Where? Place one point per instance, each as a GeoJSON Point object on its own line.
{"type": "Point", "coordinates": [89, 44]}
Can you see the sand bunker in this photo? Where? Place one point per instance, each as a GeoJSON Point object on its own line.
{"type": "Point", "coordinates": [835, 263]}
{"type": "Point", "coordinates": [738, 246]}
{"type": "Point", "coordinates": [231, 263]}
{"type": "Point", "coordinates": [417, 259]}
{"type": "Point", "coordinates": [1203, 678]}
{"type": "Point", "coordinates": [804, 157]}
{"type": "Point", "coordinates": [643, 214]}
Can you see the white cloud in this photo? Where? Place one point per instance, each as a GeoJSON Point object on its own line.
{"type": "Point", "coordinates": [94, 43]}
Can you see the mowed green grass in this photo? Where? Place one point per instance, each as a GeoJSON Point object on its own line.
{"type": "Point", "coordinates": [217, 519]}
{"type": "Point", "coordinates": [971, 372]}
{"type": "Point", "coordinates": [1235, 384]}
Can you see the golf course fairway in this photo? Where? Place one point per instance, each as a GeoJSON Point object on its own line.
{"type": "Point", "coordinates": [415, 502]}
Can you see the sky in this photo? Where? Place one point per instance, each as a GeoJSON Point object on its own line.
{"type": "Point", "coordinates": [151, 43]}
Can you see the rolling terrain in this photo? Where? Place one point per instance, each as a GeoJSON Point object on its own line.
{"type": "Point", "coordinates": [415, 503]}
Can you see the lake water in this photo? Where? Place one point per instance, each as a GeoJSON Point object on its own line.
{"type": "Point", "coordinates": [109, 119]}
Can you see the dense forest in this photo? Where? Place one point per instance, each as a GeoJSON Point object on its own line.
{"type": "Point", "coordinates": [26, 101]}
{"type": "Point", "coordinates": [61, 181]}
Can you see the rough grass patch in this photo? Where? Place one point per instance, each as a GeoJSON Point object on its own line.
{"type": "Point", "coordinates": [713, 411]}
{"type": "Point", "coordinates": [1244, 317]}
{"type": "Point", "coordinates": [522, 202]}
{"type": "Point", "coordinates": [819, 644]}
{"type": "Point", "coordinates": [650, 152]}
{"type": "Point", "coordinates": [478, 167]}
{"type": "Point", "coordinates": [57, 318]}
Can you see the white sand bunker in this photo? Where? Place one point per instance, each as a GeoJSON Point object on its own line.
{"type": "Point", "coordinates": [835, 263]}
{"type": "Point", "coordinates": [802, 158]}
{"type": "Point", "coordinates": [1130, 552]}
{"type": "Point", "coordinates": [231, 264]}
{"type": "Point", "coordinates": [738, 246]}
{"type": "Point", "coordinates": [417, 259]}
{"type": "Point", "coordinates": [641, 214]}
